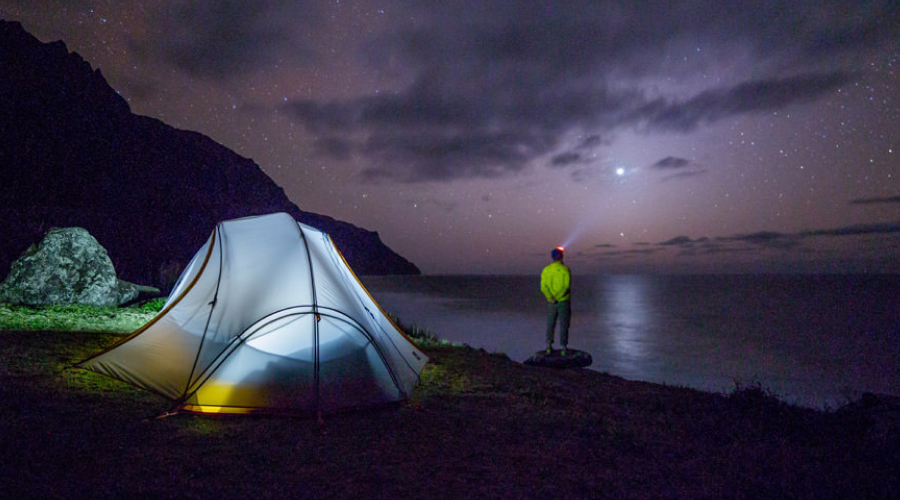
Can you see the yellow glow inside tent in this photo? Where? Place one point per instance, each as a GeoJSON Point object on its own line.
{"type": "Point", "coordinates": [216, 409]}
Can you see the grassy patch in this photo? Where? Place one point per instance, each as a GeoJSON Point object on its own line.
{"type": "Point", "coordinates": [78, 318]}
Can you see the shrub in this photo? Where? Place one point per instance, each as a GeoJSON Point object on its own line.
{"type": "Point", "coordinates": [153, 305]}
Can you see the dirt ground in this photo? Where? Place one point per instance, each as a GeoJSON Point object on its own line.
{"type": "Point", "coordinates": [477, 426]}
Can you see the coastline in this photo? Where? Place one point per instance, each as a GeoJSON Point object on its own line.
{"type": "Point", "coordinates": [815, 341]}
{"type": "Point", "coordinates": [478, 425]}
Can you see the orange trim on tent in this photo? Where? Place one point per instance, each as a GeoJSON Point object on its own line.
{"type": "Point", "coordinates": [353, 273]}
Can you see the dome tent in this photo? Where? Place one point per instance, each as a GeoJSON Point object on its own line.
{"type": "Point", "coordinates": [267, 317]}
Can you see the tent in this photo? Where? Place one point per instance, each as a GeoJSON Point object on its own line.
{"type": "Point", "coordinates": [267, 317]}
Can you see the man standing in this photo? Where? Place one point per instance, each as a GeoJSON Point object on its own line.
{"type": "Point", "coordinates": [555, 280]}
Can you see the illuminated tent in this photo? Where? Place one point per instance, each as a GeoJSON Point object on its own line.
{"type": "Point", "coordinates": [267, 317]}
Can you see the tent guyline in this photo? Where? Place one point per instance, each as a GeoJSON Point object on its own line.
{"type": "Point", "coordinates": [278, 322]}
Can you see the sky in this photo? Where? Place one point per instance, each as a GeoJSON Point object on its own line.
{"type": "Point", "coordinates": [475, 135]}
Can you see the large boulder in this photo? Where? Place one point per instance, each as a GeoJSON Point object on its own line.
{"type": "Point", "coordinates": [69, 266]}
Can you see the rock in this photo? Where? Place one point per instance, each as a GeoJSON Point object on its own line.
{"type": "Point", "coordinates": [130, 292]}
{"type": "Point", "coordinates": [69, 266]}
{"type": "Point", "coordinates": [573, 359]}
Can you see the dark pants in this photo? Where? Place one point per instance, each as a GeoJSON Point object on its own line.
{"type": "Point", "coordinates": [563, 312]}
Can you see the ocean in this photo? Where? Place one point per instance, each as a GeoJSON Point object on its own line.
{"type": "Point", "coordinates": [816, 341]}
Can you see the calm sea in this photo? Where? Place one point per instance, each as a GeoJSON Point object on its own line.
{"type": "Point", "coordinates": [813, 340]}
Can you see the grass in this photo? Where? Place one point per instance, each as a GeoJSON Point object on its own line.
{"type": "Point", "coordinates": [477, 426]}
{"type": "Point", "coordinates": [78, 317]}
{"type": "Point", "coordinates": [420, 335]}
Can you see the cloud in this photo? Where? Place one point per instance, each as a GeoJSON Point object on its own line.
{"type": "Point", "coordinates": [437, 157]}
{"type": "Point", "coordinates": [857, 229]}
{"type": "Point", "coordinates": [776, 240]}
{"type": "Point", "coordinates": [510, 83]}
{"type": "Point", "coordinates": [768, 239]}
{"type": "Point", "coordinates": [438, 131]}
{"type": "Point", "coordinates": [577, 155]}
{"type": "Point", "coordinates": [882, 22]}
{"type": "Point", "coordinates": [333, 147]}
{"type": "Point", "coordinates": [685, 175]}
{"type": "Point", "coordinates": [875, 201]}
{"type": "Point", "coordinates": [227, 40]}
{"type": "Point", "coordinates": [700, 246]}
{"type": "Point", "coordinates": [671, 162]}
{"type": "Point", "coordinates": [750, 97]}
{"type": "Point", "coordinates": [773, 247]}
{"type": "Point", "coordinates": [635, 252]}
{"type": "Point", "coordinates": [682, 168]}
{"type": "Point", "coordinates": [591, 141]}
{"type": "Point", "coordinates": [565, 159]}
{"type": "Point", "coordinates": [584, 175]}
{"type": "Point", "coordinates": [677, 241]}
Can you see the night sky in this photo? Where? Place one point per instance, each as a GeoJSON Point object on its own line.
{"type": "Point", "coordinates": [476, 135]}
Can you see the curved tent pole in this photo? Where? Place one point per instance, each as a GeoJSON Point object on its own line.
{"type": "Point", "coordinates": [245, 335]}
{"type": "Point", "coordinates": [167, 308]}
{"type": "Point", "coordinates": [315, 305]}
{"type": "Point", "coordinates": [233, 344]}
{"type": "Point", "coordinates": [383, 313]}
{"type": "Point", "coordinates": [343, 263]}
{"type": "Point", "coordinates": [208, 317]}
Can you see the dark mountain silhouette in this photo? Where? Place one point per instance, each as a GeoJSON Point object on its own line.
{"type": "Point", "coordinates": [73, 154]}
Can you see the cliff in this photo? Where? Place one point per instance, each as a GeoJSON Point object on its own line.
{"type": "Point", "coordinates": [73, 154]}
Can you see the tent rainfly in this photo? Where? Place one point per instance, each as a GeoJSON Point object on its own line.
{"type": "Point", "coordinates": [267, 317]}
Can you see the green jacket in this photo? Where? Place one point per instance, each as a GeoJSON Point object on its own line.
{"type": "Point", "coordinates": [555, 281]}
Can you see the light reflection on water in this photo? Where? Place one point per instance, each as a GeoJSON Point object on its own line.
{"type": "Point", "coordinates": [627, 320]}
{"type": "Point", "coordinates": [815, 341]}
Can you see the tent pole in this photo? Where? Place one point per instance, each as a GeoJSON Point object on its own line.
{"type": "Point", "coordinates": [315, 311]}
{"type": "Point", "coordinates": [212, 306]}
